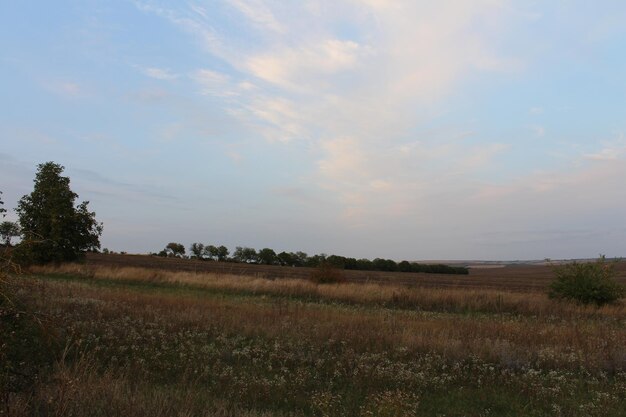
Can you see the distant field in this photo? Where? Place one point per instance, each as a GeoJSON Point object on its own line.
{"type": "Point", "coordinates": [511, 278]}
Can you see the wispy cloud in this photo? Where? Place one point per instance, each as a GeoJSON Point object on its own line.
{"type": "Point", "coordinates": [258, 13]}
{"type": "Point", "coordinates": [611, 151]}
{"type": "Point", "coordinates": [213, 83]}
{"type": "Point", "coordinates": [66, 89]}
{"type": "Point", "coordinates": [539, 131]}
{"type": "Point", "coordinates": [361, 81]}
{"type": "Point", "coordinates": [350, 97]}
{"type": "Point", "coordinates": [160, 73]}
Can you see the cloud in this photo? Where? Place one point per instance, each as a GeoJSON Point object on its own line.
{"type": "Point", "coordinates": [360, 82]}
{"type": "Point", "coordinates": [66, 89]}
{"type": "Point", "coordinates": [539, 131]}
{"type": "Point", "coordinates": [612, 150]}
{"type": "Point", "coordinates": [301, 68]}
{"type": "Point", "coordinates": [159, 73]}
{"type": "Point", "coordinates": [213, 83]}
{"type": "Point", "coordinates": [258, 13]}
{"type": "Point", "coordinates": [606, 154]}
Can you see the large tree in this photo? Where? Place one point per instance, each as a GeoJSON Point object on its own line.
{"type": "Point", "coordinates": [54, 229]}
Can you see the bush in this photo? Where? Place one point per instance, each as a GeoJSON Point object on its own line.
{"type": "Point", "coordinates": [326, 273]}
{"type": "Point", "coordinates": [587, 283]}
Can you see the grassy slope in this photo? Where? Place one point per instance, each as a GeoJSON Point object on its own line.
{"type": "Point", "coordinates": [150, 345]}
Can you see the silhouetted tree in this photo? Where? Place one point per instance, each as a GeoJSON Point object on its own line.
{"type": "Point", "coordinates": [175, 249]}
{"type": "Point", "coordinates": [221, 253]}
{"type": "Point", "coordinates": [245, 254]}
{"type": "Point", "coordinates": [286, 259]}
{"type": "Point", "coordinates": [300, 258]}
{"type": "Point", "coordinates": [267, 256]}
{"type": "Point", "coordinates": [364, 265]}
{"type": "Point", "coordinates": [2, 209]}
{"type": "Point", "coordinates": [197, 250]}
{"type": "Point", "coordinates": [405, 266]}
{"type": "Point", "coordinates": [9, 230]}
{"type": "Point", "coordinates": [210, 251]}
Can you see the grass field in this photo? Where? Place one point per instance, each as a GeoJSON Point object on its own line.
{"type": "Point", "coordinates": [123, 340]}
{"type": "Point", "coordinates": [509, 278]}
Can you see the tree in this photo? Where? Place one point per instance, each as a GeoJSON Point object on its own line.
{"type": "Point", "coordinates": [221, 253]}
{"type": "Point", "coordinates": [267, 256]}
{"type": "Point", "coordinates": [54, 230]}
{"type": "Point", "coordinates": [245, 255]}
{"type": "Point", "coordinates": [405, 266]}
{"type": "Point", "coordinates": [301, 258]}
{"type": "Point", "coordinates": [2, 209]}
{"type": "Point", "coordinates": [174, 249]}
{"type": "Point", "coordinates": [197, 250]}
{"type": "Point", "coordinates": [286, 258]}
{"type": "Point", "coordinates": [9, 230]}
{"type": "Point", "coordinates": [211, 251]}
{"type": "Point", "coordinates": [364, 264]}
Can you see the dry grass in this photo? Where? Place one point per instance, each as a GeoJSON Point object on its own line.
{"type": "Point", "coordinates": [183, 344]}
{"type": "Point", "coordinates": [557, 335]}
{"type": "Point", "coordinates": [415, 298]}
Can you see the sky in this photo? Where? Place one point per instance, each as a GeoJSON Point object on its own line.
{"type": "Point", "coordinates": [484, 129]}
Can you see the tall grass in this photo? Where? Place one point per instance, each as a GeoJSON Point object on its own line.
{"type": "Point", "coordinates": [136, 352]}
{"type": "Point", "coordinates": [388, 295]}
{"type": "Point", "coordinates": [148, 342]}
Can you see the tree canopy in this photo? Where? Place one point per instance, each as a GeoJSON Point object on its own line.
{"type": "Point", "coordinates": [2, 209]}
{"type": "Point", "coordinates": [175, 249]}
{"type": "Point", "coordinates": [9, 230]}
{"type": "Point", "coordinates": [53, 228]}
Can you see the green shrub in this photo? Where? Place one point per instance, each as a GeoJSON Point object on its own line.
{"type": "Point", "coordinates": [587, 283]}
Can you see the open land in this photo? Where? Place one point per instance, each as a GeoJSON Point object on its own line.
{"type": "Point", "coordinates": [146, 336]}
{"type": "Point", "coordinates": [516, 277]}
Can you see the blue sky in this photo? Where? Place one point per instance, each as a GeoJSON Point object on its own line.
{"type": "Point", "coordinates": [484, 129]}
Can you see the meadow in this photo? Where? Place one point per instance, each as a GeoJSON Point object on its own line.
{"type": "Point", "coordinates": [124, 340]}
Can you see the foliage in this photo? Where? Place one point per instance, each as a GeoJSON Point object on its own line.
{"type": "Point", "coordinates": [587, 283]}
{"type": "Point", "coordinates": [221, 252]}
{"type": "Point", "coordinates": [197, 250]}
{"type": "Point", "coordinates": [327, 273]}
{"type": "Point", "coordinates": [2, 209]}
{"type": "Point", "coordinates": [286, 259]}
{"type": "Point", "coordinates": [174, 249]}
{"type": "Point", "coordinates": [26, 348]}
{"type": "Point", "coordinates": [267, 256]}
{"type": "Point", "coordinates": [210, 251]}
{"type": "Point", "coordinates": [54, 230]}
{"type": "Point", "coordinates": [217, 253]}
{"type": "Point", "coordinates": [245, 255]}
{"type": "Point", "coordinates": [9, 230]}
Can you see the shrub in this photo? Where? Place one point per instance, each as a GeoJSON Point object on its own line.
{"type": "Point", "coordinates": [587, 283]}
{"type": "Point", "coordinates": [326, 273]}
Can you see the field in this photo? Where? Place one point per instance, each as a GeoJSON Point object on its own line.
{"type": "Point", "coordinates": [144, 336]}
{"type": "Point", "coordinates": [509, 278]}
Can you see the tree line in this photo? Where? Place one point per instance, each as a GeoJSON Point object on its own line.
{"type": "Point", "coordinates": [268, 256]}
